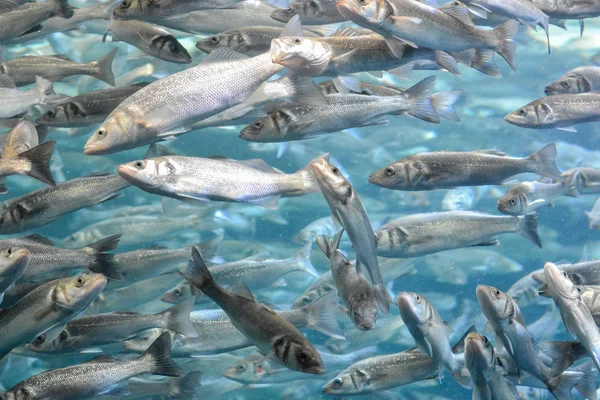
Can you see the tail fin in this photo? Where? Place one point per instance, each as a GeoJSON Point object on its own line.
{"type": "Point", "coordinates": [103, 263]}
{"type": "Point", "coordinates": [209, 248]}
{"type": "Point", "coordinates": [418, 97]}
{"type": "Point", "coordinates": [306, 92]}
{"type": "Point", "coordinates": [447, 62]}
{"type": "Point", "coordinates": [197, 272]}
{"type": "Point", "coordinates": [321, 315]}
{"type": "Point", "coordinates": [506, 48]}
{"type": "Point", "coordinates": [188, 384]}
{"type": "Point", "coordinates": [383, 297]}
{"type": "Point", "coordinates": [587, 384]}
{"type": "Point", "coordinates": [561, 386]}
{"type": "Point", "coordinates": [544, 162]}
{"type": "Point", "coordinates": [63, 9]}
{"type": "Point", "coordinates": [177, 318]}
{"type": "Point", "coordinates": [563, 354]}
{"type": "Point", "coordinates": [303, 256]}
{"type": "Point", "coordinates": [158, 356]}
{"type": "Point", "coordinates": [308, 176]}
{"type": "Point", "coordinates": [443, 103]}
{"type": "Point", "coordinates": [104, 68]}
{"type": "Point", "coordinates": [327, 245]}
{"type": "Point", "coordinates": [483, 61]}
{"type": "Point", "coordinates": [528, 227]}
{"type": "Point", "coordinates": [39, 158]}
{"type": "Point", "coordinates": [44, 87]}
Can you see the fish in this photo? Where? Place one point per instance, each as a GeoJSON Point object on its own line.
{"type": "Point", "coordinates": [34, 162]}
{"type": "Point", "coordinates": [150, 38]}
{"type": "Point", "coordinates": [352, 287]}
{"type": "Point", "coordinates": [147, 9]}
{"type": "Point", "coordinates": [147, 116]}
{"type": "Point", "coordinates": [577, 80]}
{"type": "Point", "coordinates": [12, 264]}
{"type": "Point", "coordinates": [420, 234]}
{"type": "Point", "coordinates": [15, 293]}
{"type": "Point", "coordinates": [24, 136]}
{"type": "Point", "coordinates": [87, 108]}
{"type": "Point", "coordinates": [187, 385]}
{"type": "Point", "coordinates": [14, 102]}
{"type": "Point", "coordinates": [527, 197]}
{"type": "Point", "coordinates": [83, 381]}
{"type": "Point", "coordinates": [561, 9]}
{"type": "Point", "coordinates": [582, 181]}
{"type": "Point", "coordinates": [250, 40]}
{"type": "Point", "coordinates": [321, 226]}
{"type": "Point", "coordinates": [483, 365]}
{"type": "Point", "coordinates": [49, 305]}
{"type": "Point", "coordinates": [561, 111]}
{"type": "Point", "coordinates": [18, 21]}
{"type": "Point", "coordinates": [348, 211]}
{"type": "Point", "coordinates": [431, 334]}
{"type": "Point", "coordinates": [581, 273]}
{"type": "Point", "coordinates": [273, 335]}
{"type": "Point", "coordinates": [311, 12]}
{"type": "Point", "coordinates": [49, 261]}
{"type": "Point", "coordinates": [47, 205]}
{"type": "Point", "coordinates": [24, 70]}
{"type": "Point", "coordinates": [91, 331]}
{"type": "Point", "coordinates": [196, 179]}
{"type": "Point", "coordinates": [446, 169]}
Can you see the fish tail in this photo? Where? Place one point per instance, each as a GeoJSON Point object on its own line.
{"type": "Point", "coordinates": [443, 103]}
{"type": "Point", "coordinates": [209, 248]}
{"type": "Point", "coordinates": [544, 162]}
{"type": "Point", "coordinates": [159, 357]}
{"type": "Point", "coordinates": [304, 257]}
{"type": "Point", "coordinates": [383, 297]}
{"type": "Point", "coordinates": [177, 318]}
{"type": "Point", "coordinates": [308, 176]}
{"type": "Point", "coordinates": [527, 227]}
{"type": "Point", "coordinates": [197, 272]}
{"type": "Point", "coordinates": [447, 62]}
{"type": "Point", "coordinates": [321, 316]}
{"type": "Point", "coordinates": [483, 61]}
{"type": "Point", "coordinates": [587, 385]}
{"type": "Point", "coordinates": [188, 384]}
{"type": "Point", "coordinates": [461, 375]}
{"type": "Point", "coordinates": [39, 158]}
{"type": "Point", "coordinates": [104, 263]}
{"type": "Point", "coordinates": [506, 47]}
{"type": "Point", "coordinates": [63, 9]}
{"type": "Point", "coordinates": [104, 68]}
{"type": "Point", "coordinates": [419, 99]}
{"type": "Point", "coordinates": [45, 89]}
{"type": "Point", "coordinates": [561, 386]}
{"type": "Point", "coordinates": [329, 245]}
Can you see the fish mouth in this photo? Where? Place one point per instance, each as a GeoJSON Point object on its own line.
{"type": "Point", "coordinates": [548, 91]}
{"type": "Point", "coordinates": [126, 172]}
{"type": "Point", "coordinates": [346, 8]}
{"type": "Point", "coordinates": [511, 119]}
{"type": "Point", "coordinates": [365, 326]}
{"type": "Point", "coordinates": [316, 370]}
{"type": "Point", "coordinates": [373, 180]}
{"type": "Point", "coordinates": [92, 148]}
{"type": "Point", "coordinates": [277, 53]}
{"type": "Point", "coordinates": [319, 167]}
{"type": "Point", "coordinates": [555, 279]}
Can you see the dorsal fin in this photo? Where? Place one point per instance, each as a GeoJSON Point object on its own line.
{"type": "Point", "coordinates": [223, 54]}
{"type": "Point", "coordinates": [459, 347]}
{"type": "Point", "coordinates": [458, 10]}
{"type": "Point", "coordinates": [241, 289]}
{"type": "Point", "coordinates": [36, 237]}
{"type": "Point", "coordinates": [346, 31]}
{"type": "Point", "coordinates": [293, 28]}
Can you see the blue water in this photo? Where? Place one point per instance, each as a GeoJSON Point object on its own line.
{"type": "Point", "coordinates": [447, 279]}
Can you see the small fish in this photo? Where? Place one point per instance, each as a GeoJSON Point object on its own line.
{"type": "Point", "coordinates": [21, 138]}
{"type": "Point", "coordinates": [24, 70]}
{"type": "Point", "coordinates": [155, 9]}
{"type": "Point", "coordinates": [527, 197]}
{"type": "Point", "coordinates": [150, 38]}
{"type": "Point", "coordinates": [19, 21]}
{"type": "Point", "coordinates": [578, 80]}
{"type": "Point", "coordinates": [34, 163]}
{"type": "Point", "coordinates": [12, 264]}
{"type": "Point", "coordinates": [311, 12]}
{"type": "Point", "coordinates": [582, 181]}
{"type": "Point", "coordinates": [14, 102]}
{"type": "Point", "coordinates": [49, 305]}
{"type": "Point", "coordinates": [445, 169]}
{"type": "Point", "coordinates": [188, 385]}
{"type": "Point", "coordinates": [422, 234]}
{"type": "Point", "coordinates": [99, 375]}
{"type": "Point", "coordinates": [321, 226]}
{"type": "Point", "coordinates": [561, 111]}
{"type": "Point", "coordinates": [348, 211]}
{"type": "Point", "coordinates": [250, 40]}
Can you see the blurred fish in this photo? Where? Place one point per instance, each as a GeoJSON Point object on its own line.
{"type": "Point", "coordinates": [19, 21]}
{"type": "Point", "coordinates": [577, 80]}
{"type": "Point", "coordinates": [321, 226]}
{"type": "Point", "coordinates": [12, 264]}
{"type": "Point", "coordinates": [187, 385]}
{"type": "Point", "coordinates": [311, 12]}
{"type": "Point", "coordinates": [250, 40]}
{"type": "Point", "coordinates": [21, 138]}
{"type": "Point", "coordinates": [582, 181]}
{"type": "Point", "coordinates": [594, 216]}
{"type": "Point", "coordinates": [14, 101]}
{"type": "Point", "coordinates": [155, 9]}
{"type": "Point", "coordinates": [527, 197]}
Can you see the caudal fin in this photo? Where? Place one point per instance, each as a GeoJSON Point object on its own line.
{"type": "Point", "coordinates": [544, 162]}
{"type": "Point", "coordinates": [328, 245]}
{"type": "Point", "coordinates": [39, 158]}
{"type": "Point", "coordinates": [483, 61]}
{"type": "Point", "coordinates": [308, 176]}
{"type": "Point", "coordinates": [528, 228]}
{"type": "Point", "coordinates": [209, 248]}
{"type": "Point", "coordinates": [587, 385]}
{"type": "Point", "coordinates": [103, 67]}
{"type": "Point", "coordinates": [419, 100]}
{"type": "Point", "coordinates": [506, 48]}
{"type": "Point", "coordinates": [383, 297]}
{"type": "Point", "coordinates": [303, 258]}
{"type": "Point", "coordinates": [45, 89]}
{"type": "Point", "coordinates": [158, 358]}
{"type": "Point", "coordinates": [102, 262]}
{"type": "Point", "coordinates": [561, 386]}
{"type": "Point", "coordinates": [321, 315]}
{"type": "Point", "coordinates": [563, 354]}
{"type": "Point", "coordinates": [187, 385]}
{"type": "Point", "coordinates": [177, 318]}
{"type": "Point", "coordinates": [197, 272]}
{"type": "Point", "coordinates": [443, 103]}
{"type": "Point", "coordinates": [63, 9]}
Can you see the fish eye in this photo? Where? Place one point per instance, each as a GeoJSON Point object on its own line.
{"type": "Point", "coordinates": [497, 293]}
{"type": "Point", "coordinates": [456, 3]}
{"type": "Point", "coordinates": [565, 274]}
{"type": "Point", "coordinates": [241, 368]}
{"type": "Point", "coordinates": [173, 48]}
{"type": "Point", "coordinates": [302, 357]}
{"type": "Point", "coordinates": [335, 171]}
{"type": "Point", "coordinates": [362, 2]}
{"type": "Point", "coordinates": [579, 289]}
{"type": "Point", "coordinates": [565, 84]}
{"type": "Point", "coordinates": [50, 113]}
{"type": "Point", "coordinates": [63, 335]}
{"type": "Point", "coordinates": [522, 112]}
{"type": "Point", "coordinates": [101, 132]}
{"type": "Point", "coordinates": [355, 313]}
{"type": "Point", "coordinates": [258, 124]}
{"type": "Point", "coordinates": [418, 298]}
{"type": "Point", "coordinates": [139, 164]}
{"type": "Point", "coordinates": [215, 39]}
{"type": "Point", "coordinates": [125, 3]}
{"type": "Point", "coordinates": [337, 382]}
{"type": "Point", "coordinates": [306, 300]}
{"type": "Point", "coordinates": [177, 292]}
{"type": "Point", "coordinates": [79, 282]}
{"type": "Point", "coordinates": [40, 339]}
{"type": "Point", "coordinates": [9, 251]}
{"type": "Point", "coordinates": [297, 40]}
{"type": "Point", "coordinates": [485, 340]}
{"type": "Point", "coordinates": [389, 171]}
{"type": "Point", "coordinates": [258, 369]}
{"type": "Point", "coordinates": [513, 202]}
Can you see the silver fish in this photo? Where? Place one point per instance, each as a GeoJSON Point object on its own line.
{"type": "Point", "coordinates": [311, 12]}
{"type": "Point", "coordinates": [445, 169]}
{"type": "Point", "coordinates": [421, 234]}
{"type": "Point", "coordinates": [20, 20]}
{"type": "Point", "coordinates": [13, 262]}
{"type": "Point", "coordinates": [188, 385]}
{"type": "Point", "coordinates": [582, 181]}
{"type": "Point", "coordinates": [251, 40]}
{"type": "Point", "coordinates": [34, 163]}
{"type": "Point", "coordinates": [14, 102]}
{"type": "Point", "coordinates": [527, 197]}
{"type": "Point", "coordinates": [155, 9]}
{"type": "Point", "coordinates": [577, 80]}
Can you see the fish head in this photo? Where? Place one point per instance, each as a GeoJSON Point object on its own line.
{"type": "Point", "coordinates": [271, 128]}
{"type": "Point", "coordinates": [530, 115]}
{"type": "Point", "coordinates": [479, 352]}
{"type": "Point", "coordinates": [367, 13]}
{"type": "Point", "coordinates": [283, 14]}
{"type": "Point", "coordinates": [169, 48]}
{"type": "Point", "coordinates": [350, 381]}
{"type": "Point", "coordinates": [242, 372]}
{"type": "Point", "coordinates": [117, 133]}
{"type": "Point", "coordinates": [148, 174]}
{"type": "Point", "coordinates": [13, 262]}
{"type": "Point", "coordinates": [513, 203]}
{"type": "Point", "coordinates": [559, 283]}
{"type": "Point", "coordinates": [11, 218]}
{"type": "Point", "coordinates": [415, 309]}
{"type": "Point", "coordinates": [178, 294]}
{"type": "Point", "coordinates": [331, 181]}
{"type": "Point", "coordinates": [311, 56]}
{"type": "Point", "coordinates": [213, 43]}
{"type": "Point", "coordinates": [495, 304]}
{"type": "Point", "coordinates": [78, 292]}
{"type": "Point", "coordinates": [568, 84]}
{"type": "Point", "coordinates": [62, 342]}
{"type": "Point", "coordinates": [405, 174]}
{"type": "Point", "coordinates": [54, 115]}
{"type": "Point", "coordinates": [298, 354]}
{"type": "Point", "coordinates": [362, 309]}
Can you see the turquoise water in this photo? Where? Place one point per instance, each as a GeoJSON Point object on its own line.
{"type": "Point", "coordinates": [447, 279]}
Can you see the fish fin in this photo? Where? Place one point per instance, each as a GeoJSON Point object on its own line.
{"type": "Point", "coordinates": [270, 203]}
{"type": "Point", "coordinates": [344, 84]}
{"type": "Point", "coordinates": [223, 54]}
{"type": "Point", "coordinates": [567, 128]}
{"type": "Point", "coordinates": [345, 31]}
{"type": "Point", "coordinates": [562, 353]}
{"type": "Point", "coordinates": [527, 227]}
{"type": "Point", "coordinates": [506, 48]}
{"type": "Point", "coordinates": [384, 299]}
{"type": "Point", "coordinates": [308, 176]}
{"type": "Point", "coordinates": [177, 318]}
{"type": "Point", "coordinates": [6, 82]}
{"type": "Point", "coordinates": [64, 10]}
{"type": "Point", "coordinates": [306, 92]}
{"type": "Point", "coordinates": [374, 122]}
{"type": "Point", "coordinates": [189, 384]}
{"type": "Point", "coordinates": [111, 197]}
{"type": "Point", "coordinates": [464, 57]}
{"type": "Point", "coordinates": [396, 46]}
{"type": "Point", "coordinates": [459, 12]}
{"type": "Point", "coordinates": [104, 263]}
{"type": "Point", "coordinates": [104, 358]}
{"type": "Point", "coordinates": [197, 273]}
{"type": "Point", "coordinates": [459, 347]}
{"type": "Point", "coordinates": [158, 150]}
{"type": "Point", "coordinates": [581, 27]}
{"type": "Point", "coordinates": [376, 74]}
{"type": "Point", "coordinates": [561, 386]}
{"type": "Point", "coordinates": [587, 385]}
{"type": "Point", "coordinates": [257, 164]}
{"type": "Point", "coordinates": [104, 65]}
{"type": "Point", "coordinates": [483, 61]}
{"type": "Point", "coordinates": [328, 245]}
{"type": "Point", "coordinates": [303, 256]}
{"type": "Point", "coordinates": [544, 162]}
{"type": "Point", "coordinates": [321, 316]}
{"type": "Point", "coordinates": [293, 28]}
{"type": "Point", "coordinates": [482, 392]}
{"type": "Point", "coordinates": [91, 350]}
{"type": "Point", "coordinates": [337, 221]}
{"type": "Point", "coordinates": [281, 149]}
{"type": "Point", "coordinates": [241, 289]}
{"type": "Point", "coordinates": [407, 21]}
{"type": "Point", "coordinates": [403, 71]}
{"type": "Point", "coordinates": [420, 105]}
{"type": "Point", "coordinates": [443, 103]}
{"type": "Point", "coordinates": [210, 247]}
{"type": "Point", "coordinates": [490, 242]}
{"type": "Point", "coordinates": [446, 61]}
{"type": "Point", "coordinates": [36, 237]}
{"type": "Point", "coordinates": [489, 327]}
{"type": "Point", "coordinates": [42, 313]}
{"type": "Point", "coordinates": [478, 12]}
{"type": "Point", "coordinates": [39, 157]}
{"type": "Point", "coordinates": [159, 356]}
